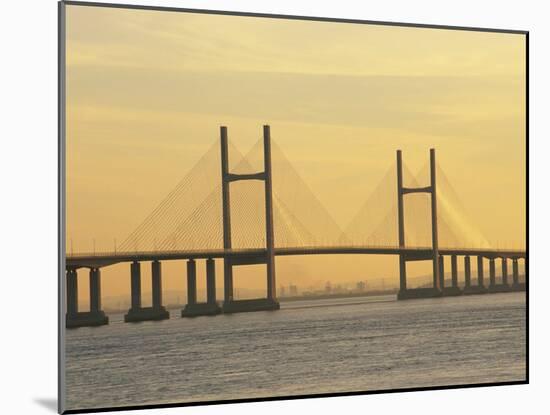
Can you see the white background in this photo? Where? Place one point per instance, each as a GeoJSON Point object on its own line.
{"type": "Point", "coordinates": [28, 204]}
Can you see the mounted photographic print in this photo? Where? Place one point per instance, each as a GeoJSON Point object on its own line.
{"type": "Point", "coordinates": [256, 207]}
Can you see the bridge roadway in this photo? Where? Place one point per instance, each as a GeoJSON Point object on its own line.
{"type": "Point", "coordinates": [98, 260]}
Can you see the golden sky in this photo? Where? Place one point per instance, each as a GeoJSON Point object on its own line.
{"type": "Point", "coordinates": [148, 90]}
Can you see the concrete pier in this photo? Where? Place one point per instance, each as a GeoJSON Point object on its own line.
{"type": "Point", "coordinates": [72, 292]}
{"type": "Point", "coordinates": [95, 290]}
{"type": "Point", "coordinates": [193, 308]}
{"type": "Point", "coordinates": [492, 274]}
{"type": "Point", "coordinates": [516, 285]}
{"type": "Point", "coordinates": [504, 271]}
{"type": "Point", "coordinates": [479, 288]}
{"type": "Point", "coordinates": [94, 317]}
{"type": "Point", "coordinates": [515, 272]}
{"type": "Point", "coordinates": [135, 285]}
{"type": "Point", "coordinates": [453, 289]}
{"type": "Point", "coordinates": [156, 285]}
{"type": "Point", "coordinates": [210, 281]}
{"type": "Point", "coordinates": [191, 282]}
{"type": "Point", "coordinates": [467, 272]}
{"type": "Point", "coordinates": [441, 264]}
{"type": "Point", "coordinates": [480, 278]}
{"type": "Point", "coordinates": [137, 312]}
{"type": "Point", "coordinates": [454, 271]}
{"type": "Point", "coordinates": [493, 286]}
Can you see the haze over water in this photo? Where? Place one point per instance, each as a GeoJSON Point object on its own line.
{"type": "Point", "coordinates": [308, 347]}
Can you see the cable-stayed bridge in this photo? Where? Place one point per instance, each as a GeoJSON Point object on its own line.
{"type": "Point", "coordinates": [257, 207]}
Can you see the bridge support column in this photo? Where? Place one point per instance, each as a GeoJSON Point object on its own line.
{"type": "Point", "coordinates": [137, 312]}
{"type": "Point", "coordinates": [454, 271]}
{"type": "Point", "coordinates": [516, 285]}
{"type": "Point", "coordinates": [480, 287]}
{"type": "Point", "coordinates": [227, 280]}
{"type": "Point", "coordinates": [480, 282]}
{"type": "Point", "coordinates": [156, 284]}
{"type": "Point", "coordinates": [156, 272]}
{"type": "Point", "coordinates": [402, 294]}
{"type": "Point", "coordinates": [492, 273]}
{"type": "Point", "coordinates": [515, 272]}
{"type": "Point", "coordinates": [441, 264]}
{"type": "Point", "coordinates": [468, 287]}
{"type": "Point", "coordinates": [95, 290]}
{"type": "Point", "coordinates": [211, 281]}
{"type": "Point", "coordinates": [94, 317]}
{"type": "Point", "coordinates": [191, 282]}
{"type": "Point", "coordinates": [193, 308]}
{"type": "Point", "coordinates": [72, 292]}
{"type": "Point", "coordinates": [494, 287]}
{"type": "Point", "coordinates": [135, 285]}
{"type": "Point", "coordinates": [453, 289]}
{"type": "Point", "coordinates": [505, 272]}
{"type": "Point", "coordinates": [467, 272]}
{"type": "Point", "coordinates": [402, 274]}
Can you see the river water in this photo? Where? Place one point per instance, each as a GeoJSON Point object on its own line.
{"type": "Point", "coordinates": [308, 347]}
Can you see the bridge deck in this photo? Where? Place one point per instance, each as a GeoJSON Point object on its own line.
{"type": "Point", "coordinates": [105, 259]}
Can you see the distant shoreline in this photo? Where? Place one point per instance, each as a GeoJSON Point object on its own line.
{"type": "Point", "coordinates": [291, 299]}
{"type": "Point", "coordinates": [337, 295]}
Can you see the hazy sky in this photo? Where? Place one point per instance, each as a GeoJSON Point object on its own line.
{"type": "Point", "coordinates": [148, 90]}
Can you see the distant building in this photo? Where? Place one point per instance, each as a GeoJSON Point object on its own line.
{"type": "Point", "coordinates": [361, 286]}
{"type": "Point", "coordinates": [328, 287]}
{"type": "Point", "coordinates": [282, 291]}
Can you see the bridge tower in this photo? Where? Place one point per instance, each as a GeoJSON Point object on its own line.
{"type": "Point", "coordinates": [404, 292]}
{"type": "Point", "coordinates": [231, 305]}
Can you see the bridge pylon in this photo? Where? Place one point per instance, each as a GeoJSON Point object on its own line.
{"type": "Point", "coordinates": [231, 305]}
{"type": "Point", "coordinates": [438, 280]}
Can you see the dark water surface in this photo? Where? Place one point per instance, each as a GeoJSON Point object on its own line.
{"type": "Point", "coordinates": [308, 347]}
